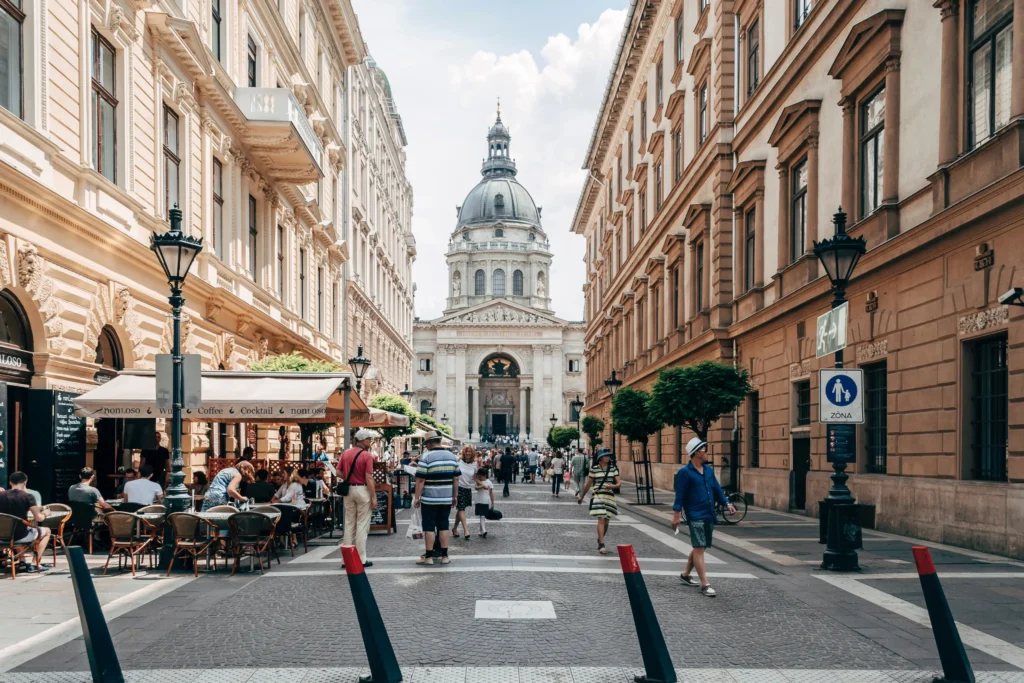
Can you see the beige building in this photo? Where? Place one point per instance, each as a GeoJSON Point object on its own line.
{"type": "Point", "coordinates": [380, 291]}
{"type": "Point", "coordinates": [728, 136]}
{"type": "Point", "coordinates": [113, 112]}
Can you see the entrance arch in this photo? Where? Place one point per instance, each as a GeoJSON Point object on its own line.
{"type": "Point", "coordinates": [16, 345]}
{"type": "Point", "coordinates": [498, 405]}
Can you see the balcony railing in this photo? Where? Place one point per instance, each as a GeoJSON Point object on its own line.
{"type": "Point", "coordinates": [496, 245]}
{"type": "Point", "coordinates": [267, 110]}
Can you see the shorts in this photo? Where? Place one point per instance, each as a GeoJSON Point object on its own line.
{"type": "Point", "coordinates": [465, 499]}
{"type": "Point", "coordinates": [700, 532]}
{"type": "Point", "coordinates": [435, 517]}
{"type": "Point", "coordinates": [33, 535]}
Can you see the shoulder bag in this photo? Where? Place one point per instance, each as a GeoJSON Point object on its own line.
{"type": "Point", "coordinates": [343, 485]}
{"type": "Point", "coordinates": [593, 492]}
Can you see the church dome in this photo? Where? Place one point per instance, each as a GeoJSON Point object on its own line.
{"type": "Point", "coordinates": [499, 199]}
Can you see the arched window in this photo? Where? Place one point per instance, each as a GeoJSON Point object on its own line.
{"type": "Point", "coordinates": [108, 351]}
{"type": "Point", "coordinates": [499, 232]}
{"type": "Point", "coordinates": [424, 406]}
{"type": "Point", "coordinates": [517, 283]}
{"type": "Point", "coordinates": [13, 326]}
{"type": "Point", "coordinates": [499, 282]}
{"type": "Point", "coordinates": [480, 285]}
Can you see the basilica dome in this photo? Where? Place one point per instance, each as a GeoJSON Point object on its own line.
{"type": "Point", "coordinates": [499, 199]}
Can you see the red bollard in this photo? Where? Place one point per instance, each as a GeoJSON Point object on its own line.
{"type": "Point", "coordinates": [658, 666]}
{"type": "Point", "coordinates": [955, 665]}
{"type": "Point", "coordinates": [380, 654]}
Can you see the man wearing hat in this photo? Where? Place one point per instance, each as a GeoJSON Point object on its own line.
{"type": "Point", "coordinates": [356, 467]}
{"type": "Point", "coordinates": [437, 482]}
{"type": "Point", "coordinates": [697, 490]}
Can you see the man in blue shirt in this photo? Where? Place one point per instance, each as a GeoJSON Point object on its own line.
{"type": "Point", "coordinates": [697, 490]}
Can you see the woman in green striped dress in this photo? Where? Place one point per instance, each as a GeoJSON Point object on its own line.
{"type": "Point", "coordinates": [604, 478]}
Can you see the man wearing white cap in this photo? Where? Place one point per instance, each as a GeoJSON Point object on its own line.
{"type": "Point", "coordinates": [697, 490]}
{"type": "Point", "coordinates": [356, 467]}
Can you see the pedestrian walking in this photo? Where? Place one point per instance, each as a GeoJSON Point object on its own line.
{"type": "Point", "coordinates": [578, 471]}
{"type": "Point", "coordinates": [697, 490]}
{"type": "Point", "coordinates": [356, 466]}
{"type": "Point", "coordinates": [507, 461]}
{"type": "Point", "coordinates": [467, 482]}
{"type": "Point", "coordinates": [557, 471]}
{"type": "Point", "coordinates": [604, 479]}
{"type": "Point", "coordinates": [533, 460]}
{"type": "Point", "coordinates": [483, 499]}
{"type": "Point", "coordinates": [437, 483]}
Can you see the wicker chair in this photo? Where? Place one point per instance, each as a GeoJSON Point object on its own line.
{"type": "Point", "coordinates": [152, 508]}
{"type": "Point", "coordinates": [222, 508]}
{"type": "Point", "coordinates": [127, 537]}
{"type": "Point", "coordinates": [272, 548]}
{"type": "Point", "coordinates": [250, 536]}
{"type": "Point", "coordinates": [56, 526]}
{"type": "Point", "coordinates": [83, 519]}
{"type": "Point", "coordinates": [189, 541]}
{"type": "Point", "coordinates": [11, 550]}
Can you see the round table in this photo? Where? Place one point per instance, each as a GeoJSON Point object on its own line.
{"type": "Point", "coordinates": [220, 519]}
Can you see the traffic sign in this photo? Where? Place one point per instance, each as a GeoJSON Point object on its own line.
{"type": "Point", "coordinates": [832, 330]}
{"type": "Point", "coordinates": [192, 369]}
{"type": "Point", "coordinates": [840, 398]}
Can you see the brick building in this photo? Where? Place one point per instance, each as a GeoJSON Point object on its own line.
{"type": "Point", "coordinates": [727, 139]}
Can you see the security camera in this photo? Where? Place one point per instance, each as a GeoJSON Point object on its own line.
{"type": "Point", "coordinates": [1014, 297]}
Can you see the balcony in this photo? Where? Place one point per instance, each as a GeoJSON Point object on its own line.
{"type": "Point", "coordinates": [497, 245]}
{"type": "Point", "coordinates": [280, 135]}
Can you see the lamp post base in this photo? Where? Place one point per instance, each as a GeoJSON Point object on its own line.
{"type": "Point", "coordinates": [840, 561]}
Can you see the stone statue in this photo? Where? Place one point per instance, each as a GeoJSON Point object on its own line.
{"type": "Point", "coordinates": [541, 289]}
{"type": "Point", "coordinates": [498, 367]}
{"type": "Point", "coordinates": [457, 284]}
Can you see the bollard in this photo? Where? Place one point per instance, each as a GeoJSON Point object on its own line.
{"type": "Point", "coordinates": [955, 665]}
{"type": "Point", "coordinates": [380, 654]}
{"type": "Point", "coordinates": [98, 644]}
{"type": "Point", "coordinates": [658, 666]}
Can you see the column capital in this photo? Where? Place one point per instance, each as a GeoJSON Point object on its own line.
{"type": "Point", "coordinates": [948, 8]}
{"type": "Point", "coordinates": [892, 64]}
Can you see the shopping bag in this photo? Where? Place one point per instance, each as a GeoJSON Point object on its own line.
{"type": "Point", "coordinates": [415, 525]}
{"type": "Point", "coordinates": [494, 515]}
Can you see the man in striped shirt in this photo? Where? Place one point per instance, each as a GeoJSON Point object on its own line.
{"type": "Point", "coordinates": [437, 481]}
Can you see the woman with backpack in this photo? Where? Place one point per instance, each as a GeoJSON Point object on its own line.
{"type": "Point", "coordinates": [604, 480]}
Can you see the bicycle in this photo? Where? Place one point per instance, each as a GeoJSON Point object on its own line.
{"type": "Point", "coordinates": [738, 501]}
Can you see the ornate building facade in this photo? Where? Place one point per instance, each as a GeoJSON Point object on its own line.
{"type": "Point", "coordinates": [117, 111]}
{"type": "Point", "coordinates": [379, 289]}
{"type": "Point", "coordinates": [498, 361]}
{"type": "Point", "coordinates": [727, 139]}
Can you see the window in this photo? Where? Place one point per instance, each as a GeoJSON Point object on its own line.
{"type": "Point", "coordinates": [575, 364]}
{"type": "Point", "coordinates": [619, 183]}
{"type": "Point", "coordinates": [749, 249]}
{"type": "Point", "coordinates": [498, 286]}
{"type": "Point", "coordinates": [517, 283]}
{"type": "Point", "coordinates": [702, 5]}
{"type": "Point", "coordinates": [753, 56]}
{"type": "Point", "coordinates": [320, 298]}
{"type": "Point", "coordinates": [630, 151]}
{"type": "Point", "coordinates": [629, 234]}
{"type": "Point", "coordinates": [675, 297]}
{"type": "Point", "coordinates": [280, 262]}
{"type": "Point", "coordinates": [643, 118]}
{"type": "Point", "coordinates": [702, 114]}
{"type": "Point", "coordinates": [642, 201]}
{"type": "Point", "coordinates": [678, 26]}
{"type": "Point", "coordinates": [251, 63]}
{"type": "Point", "coordinates": [989, 408]}
{"type": "Point", "coordinates": [218, 209]}
{"type": "Point", "coordinates": [425, 403]}
{"type": "Point", "coordinates": [872, 151]}
{"type": "Point", "coordinates": [990, 45]}
{"type": "Point", "coordinates": [499, 232]}
{"type": "Point", "coordinates": [253, 235]}
{"type": "Point", "coordinates": [302, 283]}
{"type": "Point", "coordinates": [801, 10]}
{"type": "Point", "coordinates": [104, 108]}
{"type": "Point", "coordinates": [608, 200]}
{"type": "Point", "coordinates": [754, 402]}
{"type": "Point", "coordinates": [798, 212]}
{"type": "Point", "coordinates": [875, 416]}
{"type": "Point", "coordinates": [658, 183]}
{"type": "Point", "coordinates": [677, 154]}
{"type": "Point", "coordinates": [172, 161]}
{"type": "Point", "coordinates": [11, 20]}
{"type": "Point", "coordinates": [215, 28]}
{"type": "Point", "coordinates": [656, 299]}
{"type": "Point", "coordinates": [425, 366]}
{"type": "Point", "coordinates": [480, 283]}
{"type": "Point", "coordinates": [700, 276]}
{"type": "Point", "coordinates": [803, 402]}
{"type": "Point", "coordinates": [659, 82]}
{"type": "Point", "coordinates": [335, 322]}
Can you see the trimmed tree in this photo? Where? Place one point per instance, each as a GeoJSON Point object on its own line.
{"type": "Point", "coordinates": [696, 396]}
{"type": "Point", "coordinates": [593, 427]}
{"type": "Point", "coordinates": [430, 420]}
{"type": "Point", "coordinates": [296, 362]}
{"type": "Point", "coordinates": [561, 438]}
{"type": "Point", "coordinates": [394, 404]}
{"type": "Point", "coordinates": [632, 416]}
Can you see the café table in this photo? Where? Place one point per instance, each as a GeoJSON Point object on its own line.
{"type": "Point", "coordinates": [220, 521]}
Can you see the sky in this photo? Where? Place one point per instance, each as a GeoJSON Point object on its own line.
{"type": "Point", "coordinates": [448, 61]}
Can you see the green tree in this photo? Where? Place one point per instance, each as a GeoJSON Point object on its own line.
{"type": "Point", "coordinates": [296, 362]}
{"type": "Point", "coordinates": [632, 416]}
{"type": "Point", "coordinates": [394, 404]}
{"type": "Point", "coordinates": [593, 427]}
{"type": "Point", "coordinates": [562, 437]}
{"type": "Point", "coordinates": [429, 419]}
{"type": "Point", "coordinates": [698, 395]}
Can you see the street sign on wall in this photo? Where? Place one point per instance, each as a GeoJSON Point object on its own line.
{"type": "Point", "coordinates": [831, 335]}
{"type": "Point", "coordinates": [840, 396]}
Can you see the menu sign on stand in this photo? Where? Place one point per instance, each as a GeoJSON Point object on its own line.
{"type": "Point", "coordinates": [57, 442]}
{"type": "Point", "coordinates": [380, 519]}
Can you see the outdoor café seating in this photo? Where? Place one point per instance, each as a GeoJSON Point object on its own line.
{"type": "Point", "coordinates": [56, 522]}
{"type": "Point", "coordinates": [130, 536]}
{"type": "Point", "coordinates": [250, 535]}
{"type": "Point", "coordinates": [190, 541]}
{"type": "Point", "coordinates": [83, 518]}
{"type": "Point", "coordinates": [11, 551]}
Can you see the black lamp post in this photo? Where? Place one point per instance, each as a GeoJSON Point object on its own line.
{"type": "Point", "coordinates": [175, 250]}
{"type": "Point", "coordinates": [839, 256]}
{"type": "Point", "coordinates": [407, 394]}
{"type": "Point", "coordinates": [359, 366]}
{"type": "Point", "coordinates": [612, 383]}
{"type": "Point", "coordinates": [554, 420]}
{"type": "Point", "coordinates": [444, 419]}
{"type": "Point", "coordinates": [577, 407]}
{"type": "Point", "coordinates": [430, 409]}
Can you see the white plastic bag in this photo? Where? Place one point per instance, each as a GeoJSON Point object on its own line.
{"type": "Point", "coordinates": [415, 525]}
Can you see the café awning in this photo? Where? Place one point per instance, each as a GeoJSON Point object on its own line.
{"type": "Point", "coordinates": [230, 396]}
{"type": "Point", "coordinates": [381, 418]}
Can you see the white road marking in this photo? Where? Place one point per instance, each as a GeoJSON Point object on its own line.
{"type": "Point", "coordinates": [611, 557]}
{"type": "Point", "coordinates": [622, 519]}
{"type": "Point", "coordinates": [455, 567]}
{"type": "Point", "coordinates": [515, 609]}
{"type": "Point", "coordinates": [754, 548]}
{"type": "Point", "coordinates": [944, 575]}
{"type": "Point", "coordinates": [318, 554]}
{"type": "Point", "coordinates": [673, 542]}
{"type": "Point", "coordinates": [1000, 649]}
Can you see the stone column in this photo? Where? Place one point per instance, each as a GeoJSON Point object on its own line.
{"type": "Point", "coordinates": [949, 109]}
{"type": "Point", "coordinates": [557, 374]}
{"type": "Point", "coordinates": [547, 400]}
{"type": "Point", "coordinates": [891, 162]}
{"type": "Point", "coordinates": [461, 417]}
{"type": "Point", "coordinates": [536, 396]}
{"type": "Point", "coordinates": [441, 375]}
{"type": "Point", "coordinates": [740, 268]}
{"type": "Point", "coordinates": [783, 218]}
{"type": "Point", "coordinates": [522, 410]}
{"type": "Point", "coordinates": [1017, 83]}
{"type": "Point", "coordinates": [759, 238]}
{"type": "Point", "coordinates": [849, 156]}
{"type": "Point", "coordinates": [475, 407]}
{"type": "Point", "coordinates": [811, 228]}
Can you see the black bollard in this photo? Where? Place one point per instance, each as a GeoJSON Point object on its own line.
{"type": "Point", "coordinates": [98, 644]}
{"type": "Point", "coordinates": [380, 654]}
{"type": "Point", "coordinates": [956, 668]}
{"type": "Point", "coordinates": [658, 666]}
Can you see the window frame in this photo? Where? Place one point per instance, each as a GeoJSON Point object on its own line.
{"type": "Point", "coordinates": [876, 137]}
{"type": "Point", "coordinates": [254, 232]}
{"type": "Point", "coordinates": [641, 199]}
{"type": "Point", "coordinates": [217, 193]}
{"type": "Point", "coordinates": [659, 185]}
{"type": "Point", "coordinates": [699, 273]}
{"type": "Point", "coordinates": [102, 95]}
{"type": "Point", "coordinates": [754, 422]}
{"type": "Point", "coordinates": [320, 298]}
{"type": "Point", "coordinates": [975, 44]}
{"type": "Point", "coordinates": [252, 59]}
{"type": "Point", "coordinates": [876, 417]}
{"type": "Point", "coordinates": [480, 283]}
{"type": "Point", "coordinates": [171, 158]}
{"type": "Point", "coordinates": [659, 82]}
{"type": "Point", "coordinates": [997, 403]}
{"type": "Point", "coordinates": [677, 153]}
{"type": "Point", "coordinates": [18, 15]}
{"type": "Point", "coordinates": [753, 57]}
{"type": "Point", "coordinates": [797, 200]}
{"type": "Point", "coordinates": [702, 113]}
{"type": "Point", "coordinates": [802, 401]}
{"type": "Point", "coordinates": [216, 26]}
{"type": "Point", "coordinates": [280, 261]}
{"type": "Point", "coordinates": [630, 149]}
{"type": "Point", "coordinates": [750, 248]}
{"type": "Point", "coordinates": [496, 280]}
{"type": "Point", "coordinates": [303, 304]}
{"type": "Point", "coordinates": [518, 288]}
{"type": "Point", "coordinates": [678, 32]}
{"type": "Point", "coordinates": [643, 118]}
{"type": "Point", "coordinates": [798, 19]}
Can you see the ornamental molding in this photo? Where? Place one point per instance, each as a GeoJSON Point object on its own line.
{"type": "Point", "coordinates": [500, 314]}
{"type": "Point", "coordinates": [982, 320]}
{"type": "Point", "coordinates": [799, 370]}
{"type": "Point", "coordinates": [868, 352]}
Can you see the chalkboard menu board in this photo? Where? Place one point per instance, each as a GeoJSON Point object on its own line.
{"type": "Point", "coordinates": [380, 519]}
{"type": "Point", "coordinates": [68, 444]}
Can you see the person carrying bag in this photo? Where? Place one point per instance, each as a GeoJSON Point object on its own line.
{"type": "Point", "coordinates": [359, 492]}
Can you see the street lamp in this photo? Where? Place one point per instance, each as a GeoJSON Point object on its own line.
{"type": "Point", "coordinates": [407, 394]}
{"type": "Point", "coordinates": [444, 419]}
{"type": "Point", "coordinates": [577, 407]}
{"type": "Point", "coordinates": [359, 366]}
{"type": "Point", "coordinates": [430, 409]}
{"type": "Point", "coordinates": [175, 250]}
{"type": "Point", "coordinates": [612, 383]}
{"type": "Point", "coordinates": [839, 256]}
{"type": "Point", "coordinates": [554, 420]}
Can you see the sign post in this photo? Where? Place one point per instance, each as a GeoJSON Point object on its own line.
{"type": "Point", "coordinates": [840, 396]}
{"type": "Point", "coordinates": [832, 330]}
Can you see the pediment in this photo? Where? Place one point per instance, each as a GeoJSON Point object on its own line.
{"type": "Point", "coordinates": [869, 43]}
{"type": "Point", "coordinates": [500, 312]}
{"type": "Point", "coordinates": [183, 39]}
{"type": "Point", "coordinates": [700, 57]}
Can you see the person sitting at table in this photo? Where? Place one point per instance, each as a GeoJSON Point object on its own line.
{"type": "Point", "coordinates": [85, 492]}
{"type": "Point", "coordinates": [292, 493]}
{"type": "Point", "coordinates": [261, 491]}
{"type": "Point", "coordinates": [19, 502]}
{"type": "Point", "coordinates": [248, 454]}
{"type": "Point", "coordinates": [226, 486]}
{"type": "Point", "coordinates": [129, 474]}
{"type": "Point", "coordinates": [199, 484]}
{"type": "Point", "coordinates": [143, 490]}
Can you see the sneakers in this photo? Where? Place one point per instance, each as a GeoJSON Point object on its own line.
{"type": "Point", "coordinates": [425, 560]}
{"type": "Point", "coordinates": [445, 559]}
{"type": "Point", "coordinates": [708, 591]}
{"type": "Point", "coordinates": [688, 580]}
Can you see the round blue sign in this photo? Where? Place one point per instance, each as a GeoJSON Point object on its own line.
{"type": "Point", "coordinates": [841, 391]}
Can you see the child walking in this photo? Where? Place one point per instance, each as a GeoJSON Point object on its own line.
{"type": "Point", "coordinates": [483, 498]}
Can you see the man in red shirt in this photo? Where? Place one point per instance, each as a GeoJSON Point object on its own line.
{"type": "Point", "coordinates": [356, 467]}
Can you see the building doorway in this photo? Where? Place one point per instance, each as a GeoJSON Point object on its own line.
{"type": "Point", "coordinates": [108, 458]}
{"type": "Point", "coordinates": [801, 466]}
{"type": "Point", "coordinates": [498, 426]}
{"type": "Point", "coordinates": [15, 378]}
{"type": "Point", "coordinates": [495, 402]}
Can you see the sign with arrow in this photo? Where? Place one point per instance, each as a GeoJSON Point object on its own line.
{"type": "Point", "coordinates": [840, 398]}
{"type": "Point", "coordinates": [831, 335]}
{"type": "Point", "coordinates": [191, 370]}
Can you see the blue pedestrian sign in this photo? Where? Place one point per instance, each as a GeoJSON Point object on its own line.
{"type": "Point", "coordinates": [840, 396]}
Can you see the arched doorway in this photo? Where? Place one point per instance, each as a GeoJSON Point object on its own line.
{"type": "Point", "coordinates": [15, 379]}
{"type": "Point", "coordinates": [499, 391]}
{"type": "Point", "coordinates": [115, 437]}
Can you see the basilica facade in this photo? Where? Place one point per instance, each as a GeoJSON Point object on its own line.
{"type": "Point", "coordinates": [498, 361]}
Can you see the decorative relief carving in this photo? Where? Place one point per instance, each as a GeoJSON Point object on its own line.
{"type": "Point", "coordinates": [982, 320]}
{"type": "Point", "coordinates": [867, 352]}
{"type": "Point", "coordinates": [122, 303]}
{"type": "Point", "coordinates": [30, 267]}
{"type": "Point", "coordinates": [5, 266]}
{"type": "Point", "coordinates": [499, 314]}
{"type": "Point", "coordinates": [801, 369]}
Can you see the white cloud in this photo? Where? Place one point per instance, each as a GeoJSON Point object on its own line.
{"type": "Point", "coordinates": [548, 101]}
